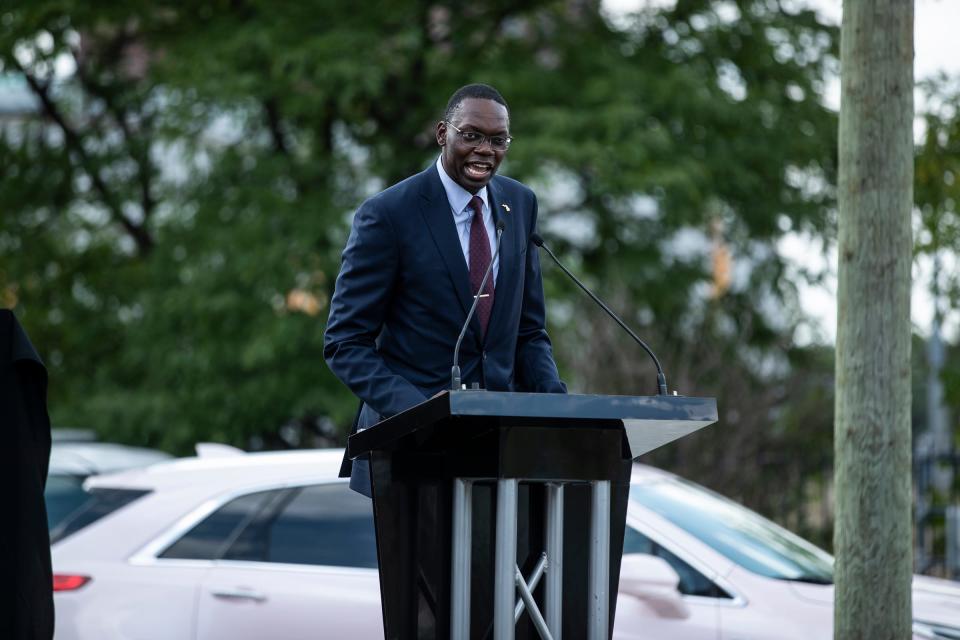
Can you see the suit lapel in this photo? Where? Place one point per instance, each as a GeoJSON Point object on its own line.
{"type": "Point", "coordinates": [435, 209]}
{"type": "Point", "coordinates": [509, 250]}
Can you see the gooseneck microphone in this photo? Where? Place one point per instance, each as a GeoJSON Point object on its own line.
{"type": "Point", "coordinates": [661, 379]}
{"type": "Point", "coordinates": [455, 371]}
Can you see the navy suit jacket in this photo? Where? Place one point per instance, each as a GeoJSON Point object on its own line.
{"type": "Point", "coordinates": [403, 295]}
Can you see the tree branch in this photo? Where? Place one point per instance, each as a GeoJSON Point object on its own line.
{"type": "Point", "coordinates": [139, 149]}
{"type": "Point", "coordinates": [74, 143]}
{"type": "Point", "coordinates": [272, 110]}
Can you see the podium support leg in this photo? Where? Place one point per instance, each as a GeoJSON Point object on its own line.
{"type": "Point", "coordinates": [460, 565]}
{"type": "Point", "coordinates": [504, 585]}
{"type": "Point", "coordinates": [554, 547]}
{"type": "Point", "coordinates": [599, 576]}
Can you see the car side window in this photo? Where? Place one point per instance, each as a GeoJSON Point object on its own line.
{"type": "Point", "coordinates": [324, 525]}
{"type": "Point", "coordinates": [692, 582]}
{"type": "Point", "coordinates": [209, 538]}
{"type": "Point", "coordinates": [99, 503]}
{"type": "Point", "coordinates": [62, 495]}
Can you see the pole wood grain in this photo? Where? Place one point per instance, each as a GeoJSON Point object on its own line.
{"type": "Point", "coordinates": [872, 535]}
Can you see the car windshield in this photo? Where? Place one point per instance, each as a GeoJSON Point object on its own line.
{"type": "Point", "coordinates": [745, 537]}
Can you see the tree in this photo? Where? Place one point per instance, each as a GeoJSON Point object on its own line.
{"type": "Point", "coordinates": [872, 536]}
{"type": "Point", "coordinates": [937, 193]}
{"type": "Point", "coordinates": [186, 189]}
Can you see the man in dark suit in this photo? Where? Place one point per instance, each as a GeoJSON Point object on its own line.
{"type": "Point", "coordinates": [413, 263]}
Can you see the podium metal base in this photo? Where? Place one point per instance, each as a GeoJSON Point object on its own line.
{"type": "Point", "coordinates": [508, 577]}
{"type": "Point", "coordinates": [450, 546]}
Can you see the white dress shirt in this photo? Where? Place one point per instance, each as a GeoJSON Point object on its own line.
{"type": "Point", "coordinates": [459, 199]}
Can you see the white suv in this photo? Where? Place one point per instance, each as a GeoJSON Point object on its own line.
{"type": "Point", "coordinates": [273, 545]}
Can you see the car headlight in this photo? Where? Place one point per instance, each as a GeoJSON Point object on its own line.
{"type": "Point", "coordinates": [935, 631]}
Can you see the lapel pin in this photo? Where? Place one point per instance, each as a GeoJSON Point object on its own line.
{"type": "Point", "coordinates": [505, 207]}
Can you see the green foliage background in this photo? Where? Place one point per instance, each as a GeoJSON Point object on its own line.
{"type": "Point", "coordinates": [175, 203]}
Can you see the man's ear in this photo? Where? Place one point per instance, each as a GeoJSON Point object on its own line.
{"type": "Point", "coordinates": [441, 133]}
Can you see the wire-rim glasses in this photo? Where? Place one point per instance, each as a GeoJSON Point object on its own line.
{"type": "Point", "coordinates": [474, 139]}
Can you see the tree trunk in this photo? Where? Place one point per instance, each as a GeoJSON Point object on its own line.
{"type": "Point", "coordinates": [872, 538]}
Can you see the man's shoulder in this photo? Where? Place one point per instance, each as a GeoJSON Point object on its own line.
{"type": "Point", "coordinates": [507, 184]}
{"type": "Point", "coordinates": [402, 191]}
{"type": "Point", "coordinates": [393, 204]}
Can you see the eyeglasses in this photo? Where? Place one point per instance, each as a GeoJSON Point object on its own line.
{"type": "Point", "coordinates": [473, 139]}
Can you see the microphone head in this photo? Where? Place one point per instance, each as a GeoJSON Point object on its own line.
{"type": "Point", "coordinates": [501, 225]}
{"type": "Point", "coordinates": [536, 238]}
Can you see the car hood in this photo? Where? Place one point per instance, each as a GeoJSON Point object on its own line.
{"type": "Point", "coordinates": [934, 600]}
{"type": "Point", "coordinates": [815, 593]}
{"type": "Point", "coordinates": [937, 601]}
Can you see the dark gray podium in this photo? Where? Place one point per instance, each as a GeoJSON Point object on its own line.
{"type": "Point", "coordinates": [502, 515]}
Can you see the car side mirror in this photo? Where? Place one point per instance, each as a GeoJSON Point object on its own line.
{"type": "Point", "coordinates": [652, 580]}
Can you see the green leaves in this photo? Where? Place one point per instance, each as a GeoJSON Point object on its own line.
{"type": "Point", "coordinates": [173, 214]}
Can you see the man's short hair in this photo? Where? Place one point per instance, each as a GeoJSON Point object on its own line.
{"type": "Point", "coordinates": [482, 91]}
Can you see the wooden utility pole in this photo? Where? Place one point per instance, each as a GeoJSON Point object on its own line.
{"type": "Point", "coordinates": [872, 537]}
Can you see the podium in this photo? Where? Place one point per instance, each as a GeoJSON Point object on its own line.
{"type": "Point", "coordinates": [501, 515]}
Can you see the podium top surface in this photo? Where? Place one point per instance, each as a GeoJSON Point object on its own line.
{"type": "Point", "coordinates": [637, 413]}
{"type": "Point", "coordinates": [574, 406]}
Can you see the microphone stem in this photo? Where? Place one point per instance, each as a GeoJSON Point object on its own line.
{"type": "Point", "coordinates": [661, 378]}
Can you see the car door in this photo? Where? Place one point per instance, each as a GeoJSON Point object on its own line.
{"type": "Point", "coordinates": [303, 570]}
{"type": "Point", "coordinates": [694, 614]}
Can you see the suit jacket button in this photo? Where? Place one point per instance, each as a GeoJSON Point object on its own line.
{"type": "Point", "coordinates": [484, 356]}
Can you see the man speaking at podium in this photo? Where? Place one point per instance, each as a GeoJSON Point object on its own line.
{"type": "Point", "coordinates": [414, 260]}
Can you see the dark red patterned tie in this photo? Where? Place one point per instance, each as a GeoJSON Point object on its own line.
{"type": "Point", "coordinates": [479, 261]}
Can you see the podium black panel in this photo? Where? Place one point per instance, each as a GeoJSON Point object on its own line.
{"type": "Point", "coordinates": [484, 437]}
